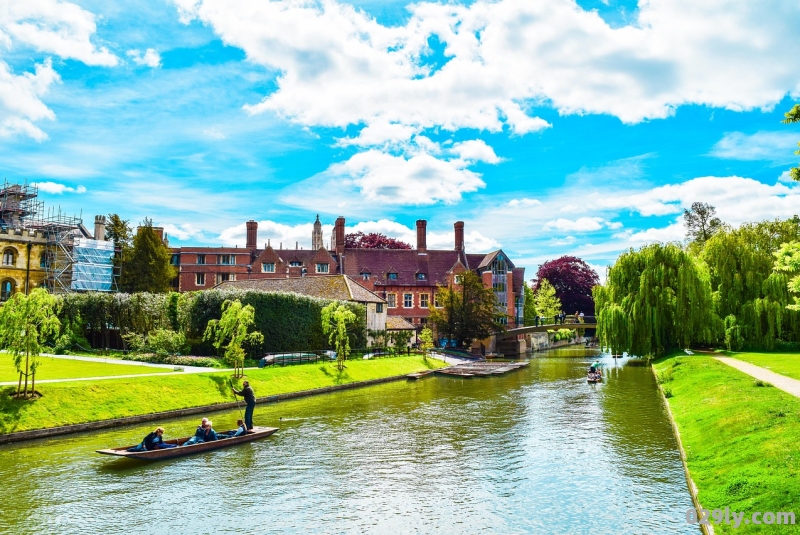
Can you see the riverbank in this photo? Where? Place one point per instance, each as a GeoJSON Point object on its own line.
{"type": "Point", "coordinates": [742, 439]}
{"type": "Point", "coordinates": [72, 403]}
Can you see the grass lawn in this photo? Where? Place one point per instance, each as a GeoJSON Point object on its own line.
{"type": "Point", "coordinates": [79, 402]}
{"type": "Point", "coordinates": [742, 441]}
{"type": "Point", "coordinates": [787, 364]}
{"type": "Point", "coordinates": [51, 368]}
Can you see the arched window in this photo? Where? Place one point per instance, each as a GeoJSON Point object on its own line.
{"type": "Point", "coordinates": [9, 257]}
{"type": "Point", "coordinates": [46, 260]}
{"type": "Point", "coordinates": [6, 289]}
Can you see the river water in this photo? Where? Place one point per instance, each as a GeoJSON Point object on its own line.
{"type": "Point", "coordinates": [533, 451]}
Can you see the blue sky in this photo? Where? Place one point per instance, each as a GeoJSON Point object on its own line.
{"type": "Point", "coordinates": [550, 128]}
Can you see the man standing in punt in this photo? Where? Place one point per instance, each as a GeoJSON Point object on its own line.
{"type": "Point", "coordinates": [250, 399]}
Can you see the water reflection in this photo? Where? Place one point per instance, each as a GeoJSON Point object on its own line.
{"type": "Point", "coordinates": [535, 451]}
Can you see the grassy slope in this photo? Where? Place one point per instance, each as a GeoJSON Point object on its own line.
{"type": "Point", "coordinates": [742, 441]}
{"type": "Point", "coordinates": [50, 368]}
{"type": "Point", "coordinates": [79, 402]}
{"type": "Point", "coordinates": [787, 364]}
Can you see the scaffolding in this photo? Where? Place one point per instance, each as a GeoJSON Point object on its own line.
{"type": "Point", "coordinates": [73, 262]}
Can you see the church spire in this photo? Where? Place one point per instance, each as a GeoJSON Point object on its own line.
{"type": "Point", "coordinates": [316, 235]}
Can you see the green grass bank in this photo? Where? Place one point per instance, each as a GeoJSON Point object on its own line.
{"type": "Point", "coordinates": [742, 440]}
{"type": "Point", "coordinates": [81, 401]}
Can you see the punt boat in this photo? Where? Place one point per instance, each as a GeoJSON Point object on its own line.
{"type": "Point", "coordinates": [181, 450]}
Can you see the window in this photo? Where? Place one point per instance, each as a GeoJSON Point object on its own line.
{"type": "Point", "coordinates": [175, 260]}
{"type": "Point", "coordinates": [226, 259]}
{"type": "Point", "coordinates": [422, 276]}
{"type": "Point", "coordinates": [322, 268]}
{"type": "Point", "coordinates": [379, 308]}
{"type": "Point", "coordinates": [6, 289]}
{"type": "Point", "coordinates": [295, 263]}
{"type": "Point", "coordinates": [457, 279]}
{"type": "Point", "coordinates": [408, 300]}
{"type": "Point", "coordinates": [365, 275]}
{"type": "Point", "coordinates": [201, 259]}
{"type": "Point", "coordinates": [499, 286]}
{"type": "Point", "coordinates": [222, 277]}
{"type": "Point", "coordinates": [9, 258]}
{"type": "Point", "coordinates": [391, 300]}
{"type": "Point", "coordinates": [200, 279]}
{"type": "Point", "coordinates": [391, 276]}
{"type": "Point", "coordinates": [46, 260]}
{"type": "Point", "coordinates": [268, 267]}
{"type": "Point", "coordinates": [436, 301]}
{"type": "Point", "coordinates": [423, 321]}
{"type": "Point", "coordinates": [423, 300]}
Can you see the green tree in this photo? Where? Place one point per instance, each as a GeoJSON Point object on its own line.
{"type": "Point", "coordinates": [400, 340]}
{"type": "Point", "coordinates": [745, 285]}
{"type": "Point", "coordinates": [26, 321]}
{"type": "Point", "coordinates": [146, 268]}
{"type": "Point", "coordinates": [469, 311]}
{"type": "Point", "coordinates": [546, 301]}
{"type": "Point", "coordinates": [793, 116]}
{"type": "Point", "coordinates": [656, 299]}
{"type": "Point", "coordinates": [426, 340]}
{"type": "Point", "coordinates": [701, 222]}
{"type": "Point", "coordinates": [529, 311]}
{"type": "Point", "coordinates": [336, 319]}
{"type": "Point", "coordinates": [230, 333]}
{"type": "Point", "coordinates": [787, 260]}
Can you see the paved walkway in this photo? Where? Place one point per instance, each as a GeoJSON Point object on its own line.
{"type": "Point", "coordinates": [787, 384]}
{"type": "Point", "coordinates": [183, 369]}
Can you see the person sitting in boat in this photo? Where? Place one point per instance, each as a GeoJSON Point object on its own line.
{"type": "Point", "coordinates": [153, 441]}
{"type": "Point", "coordinates": [204, 433]}
{"type": "Point", "coordinates": [239, 431]}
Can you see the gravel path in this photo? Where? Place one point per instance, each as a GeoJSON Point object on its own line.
{"type": "Point", "coordinates": [787, 384]}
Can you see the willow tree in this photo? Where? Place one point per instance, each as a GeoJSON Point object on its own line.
{"type": "Point", "coordinates": [230, 332]}
{"type": "Point", "coordinates": [26, 321]}
{"type": "Point", "coordinates": [791, 117]}
{"type": "Point", "coordinates": [336, 318]}
{"type": "Point", "coordinates": [655, 299]}
{"type": "Point", "coordinates": [787, 260]}
{"type": "Point", "coordinates": [745, 285]}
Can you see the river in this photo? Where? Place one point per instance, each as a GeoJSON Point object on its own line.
{"type": "Point", "coordinates": [534, 451]}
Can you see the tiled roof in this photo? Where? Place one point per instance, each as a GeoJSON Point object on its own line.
{"type": "Point", "coordinates": [406, 263]}
{"type": "Point", "coordinates": [336, 287]}
{"type": "Point", "coordinates": [398, 323]}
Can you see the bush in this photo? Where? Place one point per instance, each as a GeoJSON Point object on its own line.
{"type": "Point", "coordinates": [206, 362]}
{"type": "Point", "coordinates": [667, 391]}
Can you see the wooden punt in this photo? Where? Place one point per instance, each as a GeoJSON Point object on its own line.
{"type": "Point", "coordinates": [180, 451]}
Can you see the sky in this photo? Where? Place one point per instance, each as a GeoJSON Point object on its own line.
{"type": "Point", "coordinates": [549, 127]}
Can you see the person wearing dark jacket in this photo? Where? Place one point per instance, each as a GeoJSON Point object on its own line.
{"type": "Point", "coordinates": [153, 441]}
{"type": "Point", "coordinates": [250, 399]}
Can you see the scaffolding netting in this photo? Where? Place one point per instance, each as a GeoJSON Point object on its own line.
{"type": "Point", "coordinates": [92, 265]}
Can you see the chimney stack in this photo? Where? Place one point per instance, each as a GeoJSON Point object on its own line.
{"type": "Point", "coordinates": [459, 228]}
{"type": "Point", "coordinates": [252, 234]}
{"type": "Point", "coordinates": [338, 232]}
{"type": "Point", "coordinates": [422, 247]}
{"type": "Point", "coordinates": [100, 227]}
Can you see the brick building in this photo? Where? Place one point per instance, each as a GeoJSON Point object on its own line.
{"type": "Point", "coordinates": [406, 278]}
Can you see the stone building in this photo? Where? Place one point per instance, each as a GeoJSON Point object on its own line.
{"type": "Point", "coordinates": [48, 250]}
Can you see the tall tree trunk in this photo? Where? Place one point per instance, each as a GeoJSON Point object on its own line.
{"type": "Point", "coordinates": [19, 384]}
{"type": "Point", "coordinates": [33, 384]}
{"type": "Point", "coordinates": [26, 374]}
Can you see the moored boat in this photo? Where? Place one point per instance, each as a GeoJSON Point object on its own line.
{"type": "Point", "coordinates": [181, 450]}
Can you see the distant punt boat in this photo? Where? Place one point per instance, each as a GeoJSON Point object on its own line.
{"type": "Point", "coordinates": [180, 451]}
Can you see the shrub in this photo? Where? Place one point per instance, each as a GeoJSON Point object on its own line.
{"type": "Point", "coordinates": [667, 391]}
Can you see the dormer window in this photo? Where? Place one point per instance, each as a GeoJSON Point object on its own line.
{"type": "Point", "coordinates": [226, 259]}
{"type": "Point", "coordinates": [295, 263]}
{"type": "Point", "coordinates": [322, 268]}
{"type": "Point", "coordinates": [268, 267]}
{"type": "Point", "coordinates": [422, 276]}
{"type": "Point", "coordinates": [391, 276]}
{"type": "Point", "coordinates": [365, 275]}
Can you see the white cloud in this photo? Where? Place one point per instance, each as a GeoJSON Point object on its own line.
{"type": "Point", "coordinates": [54, 27]}
{"type": "Point", "coordinates": [772, 146]}
{"type": "Point", "coordinates": [182, 232]}
{"type": "Point", "coordinates": [584, 224]}
{"type": "Point", "coordinates": [786, 177]}
{"type": "Point", "coordinates": [475, 150]}
{"type": "Point", "coordinates": [150, 58]}
{"type": "Point", "coordinates": [504, 55]}
{"type": "Point", "coordinates": [213, 133]}
{"type": "Point", "coordinates": [557, 242]}
{"type": "Point", "coordinates": [524, 202]}
{"type": "Point", "coordinates": [51, 27]}
{"type": "Point", "coordinates": [57, 189]}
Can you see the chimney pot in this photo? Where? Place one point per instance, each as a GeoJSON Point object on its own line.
{"type": "Point", "coordinates": [421, 236]}
{"type": "Point", "coordinates": [459, 232]}
{"type": "Point", "coordinates": [252, 234]}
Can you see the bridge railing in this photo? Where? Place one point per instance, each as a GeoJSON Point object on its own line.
{"type": "Point", "coordinates": [569, 321]}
